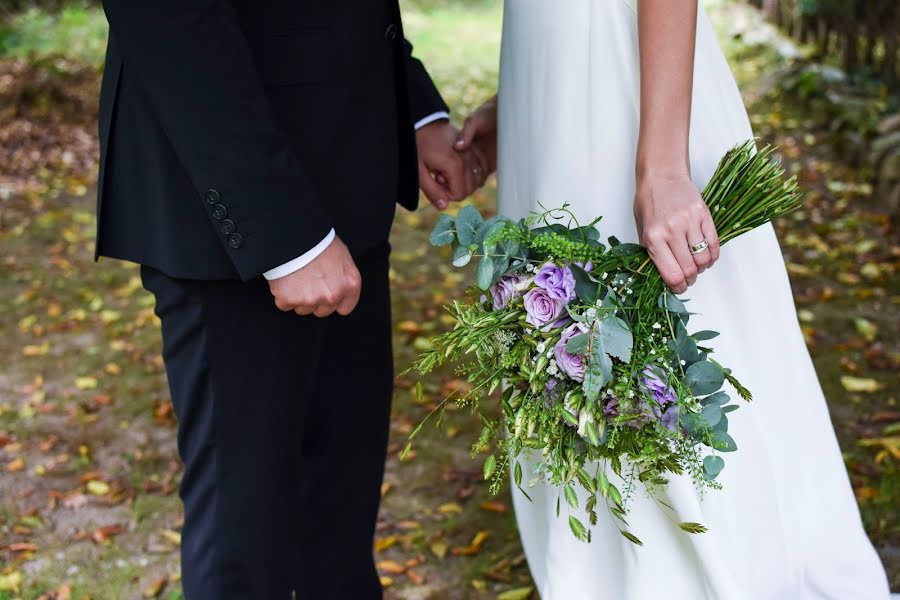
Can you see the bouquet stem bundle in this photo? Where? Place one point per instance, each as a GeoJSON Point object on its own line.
{"type": "Point", "coordinates": [600, 376]}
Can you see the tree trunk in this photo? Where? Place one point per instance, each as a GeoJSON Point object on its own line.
{"type": "Point", "coordinates": [889, 64]}
{"type": "Point", "coordinates": [770, 10]}
{"type": "Point", "coordinates": [851, 47]}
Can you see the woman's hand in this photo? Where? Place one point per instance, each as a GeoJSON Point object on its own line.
{"type": "Point", "coordinates": [480, 133]}
{"type": "Point", "coordinates": [671, 218]}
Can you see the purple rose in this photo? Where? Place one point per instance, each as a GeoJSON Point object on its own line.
{"type": "Point", "coordinates": [558, 281]}
{"type": "Point", "coordinates": [658, 388]}
{"type": "Point", "coordinates": [541, 308]}
{"type": "Point", "coordinates": [504, 290]}
{"type": "Point", "coordinates": [570, 364]}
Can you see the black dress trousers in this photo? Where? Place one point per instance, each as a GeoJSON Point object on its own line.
{"type": "Point", "coordinates": [282, 427]}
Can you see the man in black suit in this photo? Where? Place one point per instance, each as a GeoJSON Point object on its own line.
{"type": "Point", "coordinates": [252, 153]}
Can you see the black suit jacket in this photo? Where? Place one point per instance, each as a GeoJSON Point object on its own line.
{"type": "Point", "coordinates": [234, 134]}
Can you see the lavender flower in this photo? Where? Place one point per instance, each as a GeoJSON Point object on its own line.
{"type": "Point", "coordinates": [551, 393]}
{"type": "Point", "coordinates": [657, 387]}
{"type": "Point", "coordinates": [558, 281]}
{"type": "Point", "coordinates": [610, 405]}
{"type": "Point", "coordinates": [670, 418]}
{"type": "Point", "coordinates": [664, 396]}
{"type": "Point", "coordinates": [541, 308]}
{"type": "Point", "coordinates": [570, 364]}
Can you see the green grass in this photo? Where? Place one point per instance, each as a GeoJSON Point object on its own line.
{"type": "Point", "coordinates": [77, 32]}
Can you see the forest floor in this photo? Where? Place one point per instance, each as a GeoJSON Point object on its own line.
{"type": "Point", "coordinates": [88, 465]}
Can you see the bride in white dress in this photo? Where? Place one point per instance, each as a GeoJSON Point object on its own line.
{"type": "Point", "coordinates": [591, 93]}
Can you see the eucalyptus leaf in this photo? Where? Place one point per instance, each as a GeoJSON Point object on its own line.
{"type": "Point", "coordinates": [510, 248]}
{"type": "Point", "coordinates": [578, 344]}
{"type": "Point", "coordinates": [615, 338]}
{"type": "Point", "coordinates": [586, 288]}
{"type": "Point", "coordinates": [487, 228]}
{"type": "Point", "coordinates": [626, 249]}
{"type": "Point", "coordinates": [557, 228]}
{"type": "Point", "coordinates": [501, 267]}
{"type": "Point", "coordinates": [468, 222]}
{"type": "Point", "coordinates": [701, 336]}
{"type": "Point", "coordinates": [704, 378]}
{"type": "Point", "coordinates": [721, 441]}
{"type": "Point", "coordinates": [443, 233]}
{"type": "Point", "coordinates": [720, 398]}
{"type": "Point", "coordinates": [711, 414]}
{"type": "Point", "coordinates": [461, 256]}
{"type": "Point", "coordinates": [588, 232]}
{"type": "Point", "coordinates": [693, 424]}
{"type": "Point", "coordinates": [685, 349]}
{"type": "Point", "coordinates": [597, 374]}
{"type": "Point", "coordinates": [484, 274]}
{"type": "Point", "coordinates": [713, 465]}
{"type": "Point", "coordinates": [598, 371]}
{"type": "Point", "coordinates": [668, 301]}
{"type": "Point", "coordinates": [722, 425]}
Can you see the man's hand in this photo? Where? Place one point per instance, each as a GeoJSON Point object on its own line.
{"type": "Point", "coordinates": [330, 283]}
{"type": "Point", "coordinates": [445, 174]}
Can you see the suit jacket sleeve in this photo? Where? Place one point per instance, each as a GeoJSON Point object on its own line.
{"type": "Point", "coordinates": [424, 98]}
{"type": "Point", "coordinates": [194, 65]}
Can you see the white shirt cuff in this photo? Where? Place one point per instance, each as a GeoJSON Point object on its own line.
{"type": "Point", "coordinates": [301, 261]}
{"type": "Point", "coordinates": [432, 118]}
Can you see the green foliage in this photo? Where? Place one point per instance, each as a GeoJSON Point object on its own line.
{"type": "Point", "coordinates": [77, 32]}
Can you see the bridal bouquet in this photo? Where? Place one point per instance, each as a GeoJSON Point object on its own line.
{"type": "Point", "coordinates": [598, 368]}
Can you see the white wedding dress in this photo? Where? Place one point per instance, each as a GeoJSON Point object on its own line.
{"type": "Point", "coordinates": [786, 525]}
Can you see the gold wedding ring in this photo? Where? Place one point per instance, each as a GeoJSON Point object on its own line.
{"type": "Point", "coordinates": [698, 248]}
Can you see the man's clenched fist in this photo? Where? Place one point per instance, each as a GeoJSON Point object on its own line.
{"type": "Point", "coordinates": [330, 283]}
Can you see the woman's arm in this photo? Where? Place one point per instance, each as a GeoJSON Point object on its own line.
{"type": "Point", "coordinates": [669, 211]}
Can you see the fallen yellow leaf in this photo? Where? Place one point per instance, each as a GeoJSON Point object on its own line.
{"type": "Point", "coordinates": [155, 589]}
{"type": "Point", "coordinates": [864, 385]}
{"type": "Point", "coordinates": [516, 594]}
{"type": "Point", "coordinates": [10, 582]}
{"type": "Point", "coordinates": [497, 507]}
{"type": "Point", "coordinates": [450, 508]}
{"type": "Point", "coordinates": [85, 383]}
{"type": "Point", "coordinates": [439, 549]}
{"type": "Point", "coordinates": [172, 536]}
{"type": "Point", "coordinates": [32, 350]}
{"type": "Point", "coordinates": [97, 487]}
{"type": "Point", "coordinates": [385, 543]}
{"type": "Point", "coordinates": [391, 566]}
{"type": "Point", "coordinates": [474, 546]}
